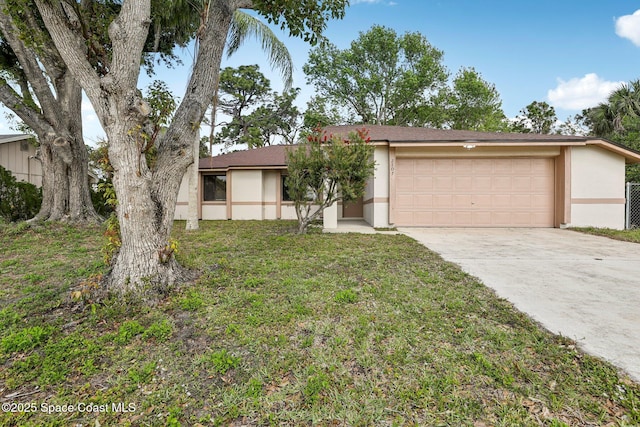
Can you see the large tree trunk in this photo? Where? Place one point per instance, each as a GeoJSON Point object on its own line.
{"type": "Point", "coordinates": [56, 118]}
{"type": "Point", "coordinates": [146, 194]}
{"type": "Point", "coordinates": [65, 182]}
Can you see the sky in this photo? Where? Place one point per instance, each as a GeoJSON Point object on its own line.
{"type": "Point", "coordinates": [569, 53]}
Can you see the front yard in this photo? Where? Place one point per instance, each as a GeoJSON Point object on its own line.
{"type": "Point", "coordinates": [281, 329]}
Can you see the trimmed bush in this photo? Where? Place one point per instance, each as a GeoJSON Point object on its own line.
{"type": "Point", "coordinates": [19, 200]}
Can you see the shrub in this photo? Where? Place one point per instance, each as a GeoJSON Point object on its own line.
{"type": "Point", "coordinates": [18, 200]}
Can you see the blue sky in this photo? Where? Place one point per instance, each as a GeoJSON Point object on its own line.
{"type": "Point", "coordinates": [565, 52]}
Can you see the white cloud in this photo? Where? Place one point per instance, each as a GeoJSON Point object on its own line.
{"type": "Point", "coordinates": [628, 27]}
{"type": "Point", "coordinates": [580, 93]}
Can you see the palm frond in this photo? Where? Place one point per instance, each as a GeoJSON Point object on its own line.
{"type": "Point", "coordinates": [245, 26]}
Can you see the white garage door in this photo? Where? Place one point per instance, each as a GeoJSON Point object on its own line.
{"type": "Point", "coordinates": [475, 192]}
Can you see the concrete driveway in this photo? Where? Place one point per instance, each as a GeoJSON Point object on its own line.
{"type": "Point", "coordinates": [583, 287]}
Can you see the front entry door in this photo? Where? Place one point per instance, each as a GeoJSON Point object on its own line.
{"type": "Point", "coordinates": [353, 209]}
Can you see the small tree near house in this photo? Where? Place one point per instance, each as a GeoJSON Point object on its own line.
{"type": "Point", "coordinates": [326, 169]}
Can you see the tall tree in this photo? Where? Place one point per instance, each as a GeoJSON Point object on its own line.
{"type": "Point", "coordinates": [618, 119]}
{"type": "Point", "coordinates": [256, 113]}
{"type": "Point", "coordinates": [147, 192]}
{"type": "Point", "coordinates": [537, 117]}
{"type": "Point", "coordinates": [242, 27]}
{"type": "Point", "coordinates": [37, 86]}
{"type": "Point", "coordinates": [475, 104]}
{"type": "Point", "coordinates": [382, 78]}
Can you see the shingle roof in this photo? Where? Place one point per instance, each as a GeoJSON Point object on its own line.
{"type": "Point", "coordinates": [380, 133]}
{"type": "Point", "coordinates": [271, 156]}
{"type": "Point", "coordinates": [275, 155]}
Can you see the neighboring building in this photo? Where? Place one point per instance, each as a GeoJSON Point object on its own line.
{"type": "Point", "coordinates": [17, 154]}
{"type": "Point", "coordinates": [440, 178]}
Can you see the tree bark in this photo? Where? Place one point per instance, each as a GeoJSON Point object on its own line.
{"type": "Point", "coordinates": [147, 195]}
{"type": "Point", "coordinates": [192, 210]}
{"type": "Point", "coordinates": [57, 121]}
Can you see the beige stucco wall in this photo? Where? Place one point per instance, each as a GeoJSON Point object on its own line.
{"type": "Point", "coordinates": [376, 207]}
{"type": "Point", "coordinates": [183, 199]}
{"type": "Point", "coordinates": [597, 188]}
{"type": "Point", "coordinates": [246, 194]}
{"type": "Point", "coordinates": [22, 164]}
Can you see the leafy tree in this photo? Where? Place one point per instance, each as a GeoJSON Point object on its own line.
{"type": "Point", "coordinates": [257, 113]}
{"type": "Point", "coordinates": [18, 200]}
{"type": "Point", "coordinates": [475, 104]}
{"type": "Point", "coordinates": [147, 192]}
{"type": "Point", "coordinates": [382, 78]}
{"type": "Point", "coordinates": [36, 85]}
{"type": "Point", "coordinates": [319, 114]}
{"type": "Point", "coordinates": [537, 117]}
{"type": "Point", "coordinates": [326, 169]}
{"type": "Point", "coordinates": [618, 119]}
{"type": "Point", "coordinates": [242, 27]}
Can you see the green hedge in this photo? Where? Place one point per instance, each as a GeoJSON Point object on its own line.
{"type": "Point", "coordinates": [18, 200]}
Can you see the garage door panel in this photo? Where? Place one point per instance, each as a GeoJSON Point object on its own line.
{"type": "Point", "coordinates": [475, 192]}
{"type": "Point", "coordinates": [405, 183]}
{"type": "Point", "coordinates": [463, 183]}
{"type": "Point", "coordinates": [501, 201]}
{"type": "Point", "coordinates": [423, 183]}
{"type": "Point", "coordinates": [481, 184]}
{"type": "Point", "coordinates": [444, 183]}
{"type": "Point", "coordinates": [423, 201]}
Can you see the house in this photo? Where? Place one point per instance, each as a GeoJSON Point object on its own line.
{"type": "Point", "coordinates": [440, 178]}
{"type": "Point", "coordinates": [17, 155]}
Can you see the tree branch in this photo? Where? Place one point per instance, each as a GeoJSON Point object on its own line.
{"type": "Point", "coordinates": [72, 49]}
{"type": "Point", "coordinates": [30, 67]}
{"type": "Point", "coordinates": [27, 114]}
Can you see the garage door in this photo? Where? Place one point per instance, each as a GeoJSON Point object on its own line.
{"type": "Point", "coordinates": [475, 192]}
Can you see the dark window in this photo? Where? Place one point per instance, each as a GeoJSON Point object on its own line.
{"type": "Point", "coordinates": [286, 197]}
{"type": "Point", "coordinates": [24, 145]}
{"type": "Point", "coordinates": [215, 188]}
{"type": "Point", "coordinates": [285, 190]}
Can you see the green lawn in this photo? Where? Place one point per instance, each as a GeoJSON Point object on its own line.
{"type": "Point", "coordinates": [632, 235]}
{"type": "Point", "coordinates": [281, 329]}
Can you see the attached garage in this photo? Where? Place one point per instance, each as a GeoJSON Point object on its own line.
{"type": "Point", "coordinates": [476, 192]}
{"type": "Point", "coordinates": [440, 178]}
{"type": "Point", "coordinates": [456, 178]}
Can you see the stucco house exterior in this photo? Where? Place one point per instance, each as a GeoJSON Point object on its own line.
{"type": "Point", "coordinates": [17, 155]}
{"type": "Point", "coordinates": [439, 178]}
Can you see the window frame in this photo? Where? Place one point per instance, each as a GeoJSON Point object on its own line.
{"type": "Point", "coordinates": [215, 190]}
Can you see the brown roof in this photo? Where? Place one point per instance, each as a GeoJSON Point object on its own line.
{"type": "Point", "coordinates": [274, 156]}
{"type": "Point", "coordinates": [380, 133]}
{"type": "Point", "coordinates": [270, 156]}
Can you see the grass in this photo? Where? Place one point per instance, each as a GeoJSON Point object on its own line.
{"type": "Point", "coordinates": [632, 235]}
{"type": "Point", "coordinates": [281, 329]}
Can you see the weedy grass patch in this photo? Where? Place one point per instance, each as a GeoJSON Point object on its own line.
{"type": "Point", "coordinates": [283, 329]}
{"type": "Point", "coordinates": [631, 235]}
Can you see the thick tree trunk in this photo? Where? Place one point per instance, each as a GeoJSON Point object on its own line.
{"type": "Point", "coordinates": [146, 195]}
{"type": "Point", "coordinates": [65, 185]}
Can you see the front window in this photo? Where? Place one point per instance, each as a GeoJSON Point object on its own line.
{"type": "Point", "coordinates": [285, 190]}
{"type": "Point", "coordinates": [215, 188]}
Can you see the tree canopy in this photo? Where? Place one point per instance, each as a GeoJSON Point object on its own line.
{"type": "Point", "coordinates": [537, 117]}
{"type": "Point", "coordinates": [256, 113]}
{"type": "Point", "coordinates": [618, 119]}
{"type": "Point", "coordinates": [474, 104]}
{"type": "Point", "coordinates": [382, 78]}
